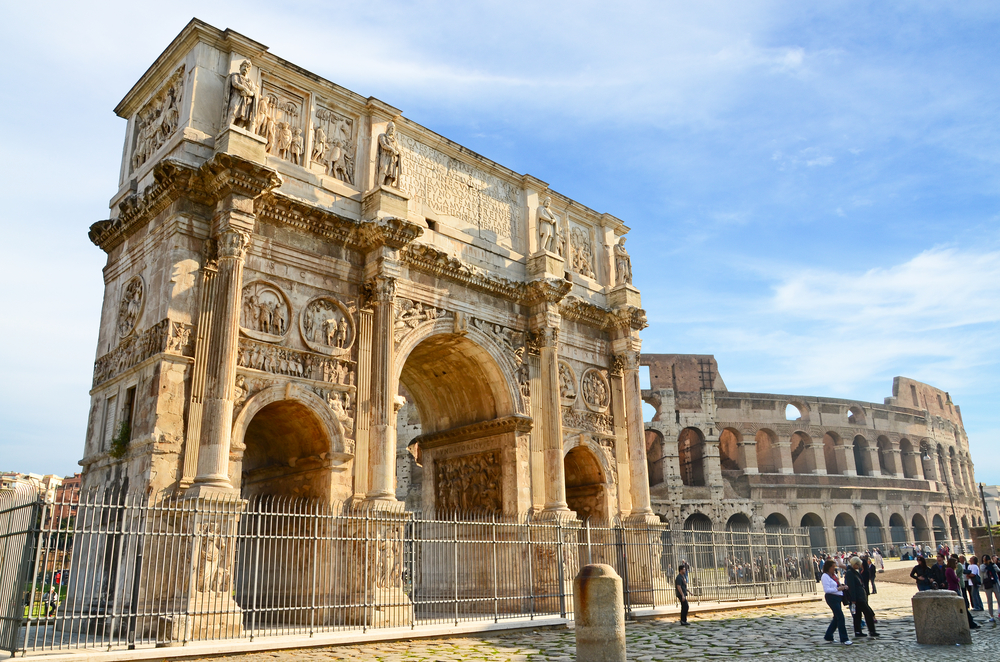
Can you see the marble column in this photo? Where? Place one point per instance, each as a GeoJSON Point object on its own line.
{"type": "Point", "coordinates": [382, 434]}
{"type": "Point", "coordinates": [213, 448]}
{"type": "Point", "coordinates": [552, 434]}
{"type": "Point", "coordinates": [628, 363]}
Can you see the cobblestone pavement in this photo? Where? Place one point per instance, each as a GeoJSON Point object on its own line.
{"type": "Point", "coordinates": [781, 632]}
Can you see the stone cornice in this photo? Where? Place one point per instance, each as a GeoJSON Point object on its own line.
{"type": "Point", "coordinates": [576, 309]}
{"type": "Point", "coordinates": [228, 174]}
{"type": "Point", "coordinates": [430, 260]}
{"type": "Point", "coordinates": [545, 290]}
{"type": "Point", "coordinates": [282, 210]}
{"type": "Point", "coordinates": [506, 424]}
{"type": "Point", "coordinates": [171, 179]}
{"type": "Point", "coordinates": [392, 232]}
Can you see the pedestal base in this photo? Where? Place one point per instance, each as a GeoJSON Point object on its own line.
{"type": "Point", "coordinates": [240, 142]}
{"type": "Point", "coordinates": [544, 264]}
{"type": "Point", "coordinates": [624, 295]}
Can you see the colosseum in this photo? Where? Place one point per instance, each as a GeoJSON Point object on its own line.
{"type": "Point", "coordinates": [857, 474]}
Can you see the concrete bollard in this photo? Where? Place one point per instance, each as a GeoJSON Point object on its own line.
{"type": "Point", "coordinates": [599, 611]}
{"type": "Point", "coordinates": [939, 618]}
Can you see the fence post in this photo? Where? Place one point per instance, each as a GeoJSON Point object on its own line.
{"type": "Point", "coordinates": [560, 559]}
{"type": "Point", "coordinates": [136, 573]}
{"type": "Point", "coordinates": [455, 561]}
{"type": "Point", "coordinates": [623, 563]}
{"type": "Point", "coordinates": [496, 579]}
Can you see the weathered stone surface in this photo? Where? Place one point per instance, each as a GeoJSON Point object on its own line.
{"type": "Point", "coordinates": [940, 618]}
{"type": "Point", "coordinates": [599, 610]}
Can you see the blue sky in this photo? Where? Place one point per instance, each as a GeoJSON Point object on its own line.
{"type": "Point", "coordinates": [813, 192]}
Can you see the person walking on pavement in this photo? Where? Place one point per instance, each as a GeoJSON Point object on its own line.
{"type": "Point", "coordinates": [833, 591]}
{"type": "Point", "coordinates": [954, 584]}
{"type": "Point", "coordinates": [868, 574]}
{"type": "Point", "coordinates": [972, 583]}
{"type": "Point", "coordinates": [990, 574]}
{"type": "Point", "coordinates": [681, 589]}
{"type": "Point", "coordinates": [857, 585]}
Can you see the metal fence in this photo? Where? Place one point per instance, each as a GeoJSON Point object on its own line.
{"type": "Point", "coordinates": [108, 570]}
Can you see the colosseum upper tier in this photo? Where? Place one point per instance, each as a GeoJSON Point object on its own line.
{"type": "Point", "coordinates": [858, 474]}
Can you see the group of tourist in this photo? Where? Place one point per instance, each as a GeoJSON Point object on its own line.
{"type": "Point", "coordinates": [963, 576]}
{"type": "Point", "coordinates": [852, 592]}
{"type": "Point", "coordinates": [762, 569]}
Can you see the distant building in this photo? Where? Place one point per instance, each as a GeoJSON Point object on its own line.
{"type": "Point", "coordinates": [992, 493]}
{"type": "Point", "coordinates": [47, 485]}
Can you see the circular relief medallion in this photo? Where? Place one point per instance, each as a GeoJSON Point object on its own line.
{"type": "Point", "coordinates": [596, 390]}
{"type": "Point", "coordinates": [567, 384]}
{"type": "Point", "coordinates": [327, 326]}
{"type": "Point", "coordinates": [130, 306]}
{"type": "Point", "coordinates": [265, 313]}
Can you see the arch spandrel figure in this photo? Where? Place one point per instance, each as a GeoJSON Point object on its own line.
{"type": "Point", "coordinates": [242, 96]}
{"type": "Point", "coordinates": [389, 164]}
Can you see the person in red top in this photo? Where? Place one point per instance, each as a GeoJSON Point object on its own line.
{"type": "Point", "coordinates": [954, 585]}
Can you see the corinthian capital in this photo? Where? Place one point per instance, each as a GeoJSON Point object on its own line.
{"type": "Point", "coordinates": [233, 244]}
{"type": "Point", "coordinates": [381, 289]}
{"type": "Point", "coordinates": [628, 360]}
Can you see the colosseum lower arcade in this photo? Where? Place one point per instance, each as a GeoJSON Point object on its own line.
{"type": "Point", "coordinates": [857, 474]}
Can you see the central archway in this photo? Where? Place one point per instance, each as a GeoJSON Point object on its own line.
{"type": "Point", "coordinates": [462, 420]}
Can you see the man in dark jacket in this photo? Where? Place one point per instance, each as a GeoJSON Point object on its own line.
{"type": "Point", "coordinates": [681, 589]}
{"type": "Point", "coordinates": [857, 584]}
{"type": "Point", "coordinates": [938, 579]}
{"type": "Point", "coordinates": [869, 573]}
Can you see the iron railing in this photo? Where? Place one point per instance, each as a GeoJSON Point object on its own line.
{"type": "Point", "coordinates": [108, 570]}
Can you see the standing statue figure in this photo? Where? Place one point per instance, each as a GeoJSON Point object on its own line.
{"type": "Point", "coordinates": [547, 226]}
{"type": "Point", "coordinates": [298, 144]}
{"type": "Point", "coordinates": [319, 145]}
{"type": "Point", "coordinates": [389, 166]}
{"type": "Point", "coordinates": [241, 99]}
{"type": "Point", "coordinates": [623, 264]}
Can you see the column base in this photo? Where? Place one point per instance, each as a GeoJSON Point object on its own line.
{"type": "Point", "coordinates": [211, 491]}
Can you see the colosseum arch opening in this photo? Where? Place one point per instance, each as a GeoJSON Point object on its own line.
{"type": "Point", "coordinates": [833, 454]}
{"type": "Point", "coordinates": [940, 531]}
{"type": "Point", "coordinates": [738, 522]}
{"type": "Point", "coordinates": [873, 530]}
{"type": "Point", "coordinates": [767, 460]}
{"type": "Point", "coordinates": [885, 460]}
{"type": "Point", "coordinates": [803, 453]}
{"type": "Point", "coordinates": [729, 451]}
{"type": "Point", "coordinates": [862, 458]}
{"type": "Point", "coordinates": [776, 521]}
{"type": "Point", "coordinates": [910, 459]}
{"type": "Point", "coordinates": [691, 456]}
{"type": "Point", "coordinates": [846, 532]}
{"type": "Point", "coordinates": [654, 456]}
{"type": "Point", "coordinates": [921, 532]}
{"type": "Point", "coordinates": [817, 531]}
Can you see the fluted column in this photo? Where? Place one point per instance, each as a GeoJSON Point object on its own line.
{"type": "Point", "coordinates": [628, 363]}
{"type": "Point", "coordinates": [382, 434]}
{"type": "Point", "coordinates": [213, 449]}
{"type": "Point", "coordinates": [552, 434]}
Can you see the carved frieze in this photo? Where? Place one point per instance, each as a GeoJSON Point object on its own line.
{"type": "Point", "coordinates": [130, 305]}
{"type": "Point", "coordinates": [589, 421]}
{"type": "Point", "coordinates": [342, 404]}
{"type": "Point", "coordinates": [165, 336]}
{"type": "Point", "coordinates": [327, 326]}
{"type": "Point", "coordinates": [411, 314]}
{"type": "Point", "coordinates": [157, 120]}
{"type": "Point", "coordinates": [280, 121]}
{"type": "Point", "coordinates": [470, 483]}
{"type": "Point", "coordinates": [334, 143]}
{"type": "Point", "coordinates": [455, 188]}
{"type": "Point", "coordinates": [567, 384]}
{"type": "Point", "coordinates": [293, 363]}
{"type": "Point", "coordinates": [596, 390]}
{"type": "Point", "coordinates": [265, 312]}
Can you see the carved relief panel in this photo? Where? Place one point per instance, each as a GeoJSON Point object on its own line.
{"type": "Point", "coordinates": [157, 120]}
{"type": "Point", "coordinates": [327, 326]}
{"type": "Point", "coordinates": [596, 390]}
{"type": "Point", "coordinates": [130, 306]}
{"type": "Point", "coordinates": [281, 120]}
{"type": "Point", "coordinates": [265, 313]}
{"type": "Point", "coordinates": [567, 384]}
{"type": "Point", "coordinates": [335, 143]}
{"type": "Point", "coordinates": [582, 250]}
{"type": "Point", "coordinates": [411, 314]}
{"type": "Point", "coordinates": [469, 483]}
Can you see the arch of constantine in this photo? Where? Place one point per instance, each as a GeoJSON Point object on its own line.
{"type": "Point", "coordinates": [292, 265]}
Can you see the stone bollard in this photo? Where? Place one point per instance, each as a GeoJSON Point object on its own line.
{"type": "Point", "coordinates": [939, 618]}
{"type": "Point", "coordinates": [599, 610]}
